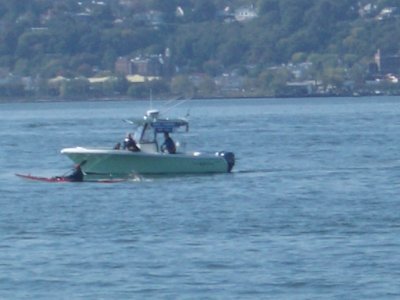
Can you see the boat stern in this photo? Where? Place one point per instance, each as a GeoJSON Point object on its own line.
{"type": "Point", "coordinates": [229, 158]}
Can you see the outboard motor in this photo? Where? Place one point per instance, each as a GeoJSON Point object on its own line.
{"type": "Point", "coordinates": [229, 157]}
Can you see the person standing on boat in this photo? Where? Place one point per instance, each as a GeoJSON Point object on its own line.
{"type": "Point", "coordinates": [168, 144]}
{"type": "Point", "coordinates": [130, 144]}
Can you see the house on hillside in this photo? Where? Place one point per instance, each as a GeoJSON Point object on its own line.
{"type": "Point", "coordinates": [367, 10]}
{"type": "Point", "coordinates": [301, 88]}
{"type": "Point", "coordinates": [226, 15]}
{"type": "Point", "coordinates": [129, 3]}
{"type": "Point", "coordinates": [124, 66]}
{"type": "Point", "coordinates": [151, 18]}
{"type": "Point", "coordinates": [245, 13]}
{"type": "Point", "coordinates": [145, 66]}
{"type": "Point", "coordinates": [386, 13]}
{"type": "Point", "coordinates": [387, 64]}
{"type": "Point", "coordinates": [230, 83]}
{"type": "Point", "coordinates": [179, 12]}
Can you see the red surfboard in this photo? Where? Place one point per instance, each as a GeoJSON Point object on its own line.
{"type": "Point", "coordinates": [44, 179]}
{"type": "Point", "coordinates": [62, 179]}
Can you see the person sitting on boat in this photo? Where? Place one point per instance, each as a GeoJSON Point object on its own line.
{"type": "Point", "coordinates": [168, 144]}
{"type": "Point", "coordinates": [117, 146]}
{"type": "Point", "coordinates": [77, 175]}
{"type": "Point", "coordinates": [130, 144]}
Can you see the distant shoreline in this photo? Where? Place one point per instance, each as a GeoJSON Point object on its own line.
{"type": "Point", "coordinates": [110, 99]}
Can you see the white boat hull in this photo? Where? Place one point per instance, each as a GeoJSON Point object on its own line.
{"type": "Point", "coordinates": [123, 162]}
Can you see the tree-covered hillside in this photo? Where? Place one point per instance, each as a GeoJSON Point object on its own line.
{"type": "Point", "coordinates": [46, 38]}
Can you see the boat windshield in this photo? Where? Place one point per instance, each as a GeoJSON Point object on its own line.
{"type": "Point", "coordinates": [145, 134]}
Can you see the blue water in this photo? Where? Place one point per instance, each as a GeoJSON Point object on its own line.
{"type": "Point", "coordinates": [311, 210]}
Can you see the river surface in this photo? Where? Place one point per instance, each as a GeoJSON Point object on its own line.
{"type": "Point", "coordinates": [311, 211]}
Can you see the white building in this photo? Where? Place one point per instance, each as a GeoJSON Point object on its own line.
{"type": "Point", "coordinates": [245, 13]}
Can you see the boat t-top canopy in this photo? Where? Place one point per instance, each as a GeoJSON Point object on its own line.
{"type": "Point", "coordinates": [166, 125]}
{"type": "Point", "coordinates": [160, 125]}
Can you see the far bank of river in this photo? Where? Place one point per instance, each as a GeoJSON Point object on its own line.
{"type": "Point", "coordinates": [169, 98]}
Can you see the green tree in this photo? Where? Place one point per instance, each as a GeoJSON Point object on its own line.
{"type": "Point", "coordinates": [334, 77]}
{"type": "Point", "coordinates": [207, 87]}
{"type": "Point", "coordinates": [115, 86]}
{"type": "Point", "coordinates": [231, 53]}
{"type": "Point", "coordinates": [204, 10]}
{"type": "Point", "coordinates": [273, 82]}
{"type": "Point", "coordinates": [75, 88]}
{"type": "Point", "coordinates": [182, 86]}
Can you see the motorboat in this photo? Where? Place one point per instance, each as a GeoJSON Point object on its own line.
{"type": "Point", "coordinates": [150, 159]}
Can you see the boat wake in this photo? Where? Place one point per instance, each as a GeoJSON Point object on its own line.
{"type": "Point", "coordinates": [314, 170]}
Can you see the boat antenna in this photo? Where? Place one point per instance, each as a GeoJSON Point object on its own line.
{"type": "Point", "coordinates": [151, 99]}
{"type": "Point", "coordinates": [168, 102]}
{"type": "Point", "coordinates": [175, 105]}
